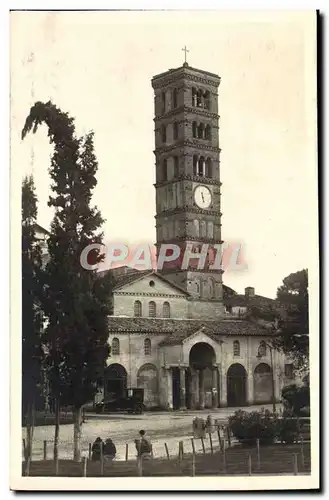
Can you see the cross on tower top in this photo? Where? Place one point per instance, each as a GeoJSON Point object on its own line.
{"type": "Point", "coordinates": [185, 50]}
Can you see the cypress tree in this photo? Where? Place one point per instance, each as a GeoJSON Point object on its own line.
{"type": "Point", "coordinates": [77, 302]}
{"type": "Point", "coordinates": [32, 353]}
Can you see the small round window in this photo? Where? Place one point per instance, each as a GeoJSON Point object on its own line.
{"type": "Point", "coordinates": [152, 283]}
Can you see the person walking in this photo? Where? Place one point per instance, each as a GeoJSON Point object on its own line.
{"type": "Point", "coordinates": [143, 445]}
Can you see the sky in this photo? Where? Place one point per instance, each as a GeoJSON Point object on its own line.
{"type": "Point", "coordinates": [98, 66]}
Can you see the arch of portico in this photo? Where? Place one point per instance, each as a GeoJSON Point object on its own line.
{"type": "Point", "coordinates": [195, 382]}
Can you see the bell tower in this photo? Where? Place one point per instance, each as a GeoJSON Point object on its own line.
{"type": "Point", "coordinates": [187, 161]}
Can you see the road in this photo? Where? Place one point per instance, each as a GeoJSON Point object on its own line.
{"type": "Point", "coordinates": [162, 427]}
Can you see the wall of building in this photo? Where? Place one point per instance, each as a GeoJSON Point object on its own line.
{"type": "Point", "coordinates": [200, 309]}
{"type": "Point", "coordinates": [152, 371]}
{"type": "Point", "coordinates": [146, 290]}
{"type": "Point", "coordinates": [143, 370]}
{"type": "Point", "coordinates": [124, 305]}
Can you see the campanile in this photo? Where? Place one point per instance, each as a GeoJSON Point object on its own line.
{"type": "Point", "coordinates": [187, 162]}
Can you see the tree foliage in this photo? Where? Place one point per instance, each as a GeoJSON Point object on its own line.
{"type": "Point", "coordinates": [293, 323]}
{"type": "Point", "coordinates": [76, 301]}
{"type": "Point", "coordinates": [31, 293]}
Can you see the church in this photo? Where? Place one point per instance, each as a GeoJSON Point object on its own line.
{"type": "Point", "coordinates": [179, 333]}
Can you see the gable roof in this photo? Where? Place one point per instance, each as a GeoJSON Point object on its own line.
{"type": "Point", "coordinates": [130, 278]}
{"type": "Point", "coordinates": [179, 329]}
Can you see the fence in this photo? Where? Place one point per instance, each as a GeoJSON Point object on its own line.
{"type": "Point", "coordinates": [212, 454]}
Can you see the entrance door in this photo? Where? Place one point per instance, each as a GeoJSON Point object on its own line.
{"type": "Point", "coordinates": [236, 385]}
{"type": "Point", "coordinates": [115, 380]}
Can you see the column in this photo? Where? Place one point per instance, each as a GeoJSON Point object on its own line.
{"type": "Point", "coordinates": [214, 387]}
{"type": "Point", "coordinates": [190, 388]}
{"type": "Point", "coordinates": [163, 388]}
{"type": "Point", "coordinates": [223, 387]}
{"type": "Point", "coordinates": [201, 390]}
{"type": "Point", "coordinates": [250, 375]}
{"type": "Point", "coordinates": [195, 389]}
{"type": "Point", "coordinates": [182, 402]}
{"type": "Point", "coordinates": [250, 386]}
{"type": "Point", "coordinates": [169, 388]}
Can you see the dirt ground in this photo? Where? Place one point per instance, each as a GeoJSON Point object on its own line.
{"type": "Point", "coordinates": [161, 427]}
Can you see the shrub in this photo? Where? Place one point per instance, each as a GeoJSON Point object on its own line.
{"type": "Point", "coordinates": [295, 398]}
{"type": "Point", "coordinates": [288, 430]}
{"type": "Point", "coordinates": [305, 411]}
{"type": "Point", "coordinates": [247, 427]}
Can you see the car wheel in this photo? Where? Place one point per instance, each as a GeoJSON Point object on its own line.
{"type": "Point", "coordinates": [139, 410]}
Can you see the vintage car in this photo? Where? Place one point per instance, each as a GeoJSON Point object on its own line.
{"type": "Point", "coordinates": [132, 401]}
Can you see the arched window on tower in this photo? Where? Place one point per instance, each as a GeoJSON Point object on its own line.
{"type": "Point", "coordinates": [174, 98]}
{"type": "Point", "coordinates": [166, 310]}
{"type": "Point", "coordinates": [203, 229]}
{"type": "Point", "coordinates": [207, 133]}
{"type": "Point", "coordinates": [211, 282]}
{"type": "Point", "coordinates": [211, 256]}
{"type": "Point", "coordinates": [210, 229]}
{"type": "Point", "coordinates": [165, 170]}
{"type": "Point", "coordinates": [199, 98]}
{"type": "Point", "coordinates": [201, 167]}
{"type": "Point", "coordinates": [236, 348]}
{"type": "Point", "coordinates": [164, 233]}
{"type": "Point", "coordinates": [163, 133]}
{"type": "Point", "coordinates": [201, 131]}
{"type": "Point", "coordinates": [194, 130]}
{"type": "Point", "coordinates": [147, 347]}
{"type": "Point", "coordinates": [195, 165]}
{"type": "Point", "coordinates": [115, 351]}
{"type": "Point", "coordinates": [163, 102]}
{"type": "Point", "coordinates": [196, 227]}
{"type": "Point", "coordinates": [137, 308]}
{"type": "Point", "coordinates": [176, 167]}
{"type": "Point", "coordinates": [152, 309]}
{"type": "Point", "coordinates": [209, 167]}
{"type": "Point", "coordinates": [175, 131]}
{"type": "Point", "coordinates": [206, 99]}
{"type": "Point", "coordinates": [194, 92]}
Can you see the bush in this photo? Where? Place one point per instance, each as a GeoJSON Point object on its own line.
{"type": "Point", "coordinates": [295, 398]}
{"type": "Point", "coordinates": [305, 411]}
{"type": "Point", "coordinates": [247, 427]}
{"type": "Point", "coordinates": [288, 430]}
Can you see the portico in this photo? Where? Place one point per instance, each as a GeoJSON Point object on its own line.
{"type": "Point", "coordinates": [193, 371]}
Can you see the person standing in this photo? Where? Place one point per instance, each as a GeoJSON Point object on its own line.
{"type": "Point", "coordinates": [109, 449]}
{"type": "Point", "coordinates": [143, 445]}
{"type": "Point", "coordinates": [96, 449]}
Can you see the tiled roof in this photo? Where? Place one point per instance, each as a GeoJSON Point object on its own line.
{"type": "Point", "coordinates": [125, 279]}
{"type": "Point", "coordinates": [228, 291]}
{"type": "Point", "coordinates": [179, 329]}
{"type": "Point", "coordinates": [134, 276]}
{"type": "Point", "coordinates": [244, 301]}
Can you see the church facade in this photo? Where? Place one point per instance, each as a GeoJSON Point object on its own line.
{"type": "Point", "coordinates": [170, 332]}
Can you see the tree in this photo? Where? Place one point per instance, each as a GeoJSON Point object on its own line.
{"type": "Point", "coordinates": [32, 353]}
{"type": "Point", "coordinates": [293, 324]}
{"type": "Point", "coordinates": [76, 300]}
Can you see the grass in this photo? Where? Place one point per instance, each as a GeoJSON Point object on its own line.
{"type": "Point", "coordinates": [275, 459]}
